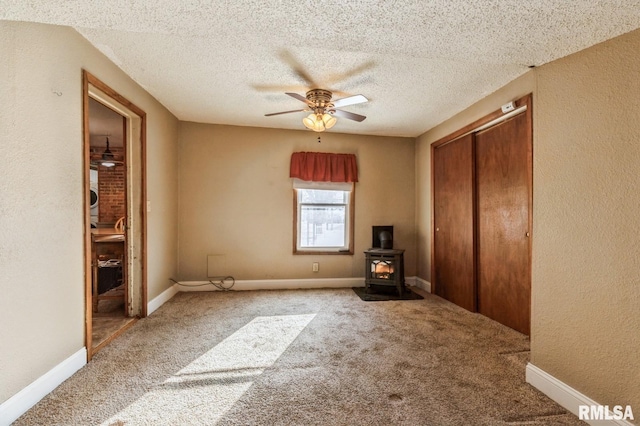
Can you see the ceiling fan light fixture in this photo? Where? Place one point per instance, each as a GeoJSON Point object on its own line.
{"type": "Point", "coordinates": [309, 121]}
{"type": "Point", "coordinates": [324, 111]}
{"type": "Point", "coordinates": [319, 122]}
{"type": "Point", "coordinates": [328, 120]}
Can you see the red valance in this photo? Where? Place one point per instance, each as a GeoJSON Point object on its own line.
{"type": "Point", "coordinates": [324, 167]}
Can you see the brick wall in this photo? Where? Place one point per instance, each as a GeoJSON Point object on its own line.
{"type": "Point", "coordinates": [111, 189]}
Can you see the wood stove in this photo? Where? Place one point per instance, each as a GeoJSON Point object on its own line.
{"type": "Point", "coordinates": [384, 267]}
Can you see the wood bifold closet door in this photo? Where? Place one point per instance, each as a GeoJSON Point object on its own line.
{"type": "Point", "coordinates": [482, 220]}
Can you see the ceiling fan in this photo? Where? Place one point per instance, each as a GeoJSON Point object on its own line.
{"type": "Point", "coordinates": [323, 110]}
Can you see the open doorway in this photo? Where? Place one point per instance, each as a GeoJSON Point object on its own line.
{"type": "Point", "coordinates": [114, 151]}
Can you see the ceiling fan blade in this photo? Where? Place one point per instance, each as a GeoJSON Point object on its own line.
{"type": "Point", "coordinates": [351, 100]}
{"type": "Point", "coordinates": [298, 97]}
{"type": "Point", "coordinates": [297, 68]}
{"type": "Point", "coordinates": [349, 74]}
{"type": "Point", "coordinates": [285, 112]}
{"type": "Point", "coordinates": [347, 114]}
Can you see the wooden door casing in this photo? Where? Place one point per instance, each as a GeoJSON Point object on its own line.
{"type": "Point", "coordinates": [503, 185]}
{"type": "Point", "coordinates": [454, 260]}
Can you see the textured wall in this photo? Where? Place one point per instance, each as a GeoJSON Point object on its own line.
{"type": "Point", "coordinates": [236, 199]}
{"type": "Point", "coordinates": [586, 273]}
{"type": "Point", "coordinates": [41, 196]}
{"type": "Point", "coordinates": [586, 254]}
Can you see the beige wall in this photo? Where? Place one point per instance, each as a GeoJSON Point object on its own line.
{"type": "Point", "coordinates": [236, 200]}
{"type": "Point", "coordinates": [586, 250]}
{"type": "Point", "coordinates": [586, 272]}
{"type": "Point", "coordinates": [41, 195]}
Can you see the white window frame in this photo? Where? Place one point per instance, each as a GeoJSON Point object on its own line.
{"type": "Point", "coordinates": [349, 216]}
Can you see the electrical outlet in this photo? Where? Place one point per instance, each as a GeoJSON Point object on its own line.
{"type": "Point", "coordinates": [315, 267]}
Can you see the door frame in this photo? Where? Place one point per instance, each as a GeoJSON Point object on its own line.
{"type": "Point", "coordinates": [136, 240]}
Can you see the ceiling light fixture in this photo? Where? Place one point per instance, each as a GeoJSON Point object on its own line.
{"type": "Point", "coordinates": [319, 121]}
{"type": "Point", "coordinates": [107, 159]}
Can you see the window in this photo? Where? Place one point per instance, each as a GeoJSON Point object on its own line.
{"type": "Point", "coordinates": [324, 219]}
{"type": "Point", "coordinates": [323, 202]}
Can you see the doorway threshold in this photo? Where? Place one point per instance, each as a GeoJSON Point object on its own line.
{"type": "Point", "coordinates": [106, 328]}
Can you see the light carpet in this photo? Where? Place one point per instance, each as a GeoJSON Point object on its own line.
{"type": "Point", "coordinates": [304, 357]}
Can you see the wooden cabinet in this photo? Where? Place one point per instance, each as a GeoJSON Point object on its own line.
{"type": "Point", "coordinates": [482, 210]}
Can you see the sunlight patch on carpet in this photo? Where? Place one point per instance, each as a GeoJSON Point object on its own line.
{"type": "Point", "coordinates": [205, 389]}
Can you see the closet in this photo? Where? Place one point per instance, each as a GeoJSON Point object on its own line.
{"type": "Point", "coordinates": [482, 211]}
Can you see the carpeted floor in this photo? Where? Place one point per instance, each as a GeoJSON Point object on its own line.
{"type": "Point", "coordinates": [304, 357]}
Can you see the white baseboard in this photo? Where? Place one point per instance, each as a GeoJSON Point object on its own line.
{"type": "Point", "coordinates": [163, 298]}
{"type": "Point", "coordinates": [287, 284]}
{"type": "Point", "coordinates": [420, 283]}
{"type": "Point", "coordinates": [564, 394]}
{"type": "Point", "coordinates": [19, 403]}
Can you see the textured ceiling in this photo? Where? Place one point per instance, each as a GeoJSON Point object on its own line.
{"type": "Point", "coordinates": [419, 62]}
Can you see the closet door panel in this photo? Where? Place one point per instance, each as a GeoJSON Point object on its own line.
{"type": "Point", "coordinates": [503, 174]}
{"type": "Point", "coordinates": [454, 265]}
